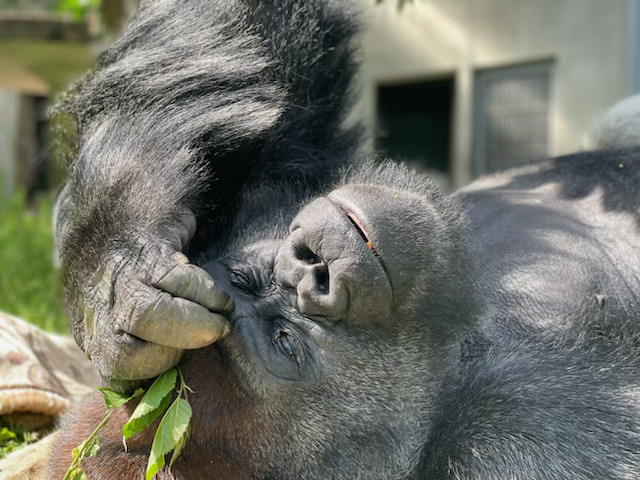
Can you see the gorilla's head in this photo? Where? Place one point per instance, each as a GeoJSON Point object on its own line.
{"type": "Point", "coordinates": [346, 329]}
{"type": "Point", "coordinates": [341, 336]}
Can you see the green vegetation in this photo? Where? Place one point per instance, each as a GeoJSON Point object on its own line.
{"type": "Point", "coordinates": [77, 8]}
{"type": "Point", "coordinates": [171, 433]}
{"type": "Point", "coordinates": [13, 438]}
{"type": "Point", "coordinates": [29, 286]}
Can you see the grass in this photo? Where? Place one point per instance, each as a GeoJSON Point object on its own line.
{"type": "Point", "coordinates": [13, 437]}
{"type": "Point", "coordinates": [29, 285]}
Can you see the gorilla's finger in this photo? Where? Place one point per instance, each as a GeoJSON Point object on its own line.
{"type": "Point", "coordinates": [139, 360]}
{"type": "Point", "coordinates": [181, 231]}
{"type": "Point", "coordinates": [177, 323]}
{"type": "Point", "coordinates": [192, 283]}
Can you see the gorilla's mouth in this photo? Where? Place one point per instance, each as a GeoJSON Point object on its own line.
{"type": "Point", "coordinates": [363, 233]}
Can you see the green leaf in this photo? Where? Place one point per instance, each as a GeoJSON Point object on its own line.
{"type": "Point", "coordinates": [78, 474]}
{"type": "Point", "coordinates": [137, 424]}
{"type": "Point", "coordinates": [88, 448]}
{"type": "Point", "coordinates": [154, 402]}
{"type": "Point", "coordinates": [92, 448]}
{"type": "Point", "coordinates": [155, 467]}
{"type": "Point", "coordinates": [180, 445]}
{"type": "Point", "coordinates": [171, 433]}
{"type": "Point", "coordinates": [6, 434]}
{"type": "Point", "coordinates": [113, 399]}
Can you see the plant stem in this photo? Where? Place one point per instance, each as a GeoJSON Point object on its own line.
{"type": "Point", "coordinates": [78, 458]}
{"type": "Point", "coordinates": [183, 385]}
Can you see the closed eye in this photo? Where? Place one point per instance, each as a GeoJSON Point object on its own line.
{"type": "Point", "coordinates": [243, 281]}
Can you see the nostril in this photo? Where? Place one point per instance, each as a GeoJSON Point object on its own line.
{"type": "Point", "coordinates": [322, 279]}
{"type": "Point", "coordinates": [304, 254]}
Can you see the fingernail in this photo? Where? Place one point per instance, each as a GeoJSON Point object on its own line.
{"type": "Point", "coordinates": [230, 306]}
{"type": "Point", "coordinates": [180, 257]}
{"type": "Point", "coordinates": [226, 331]}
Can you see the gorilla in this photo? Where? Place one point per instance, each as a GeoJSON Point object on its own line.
{"type": "Point", "coordinates": [339, 318]}
{"type": "Point", "coordinates": [198, 102]}
{"type": "Point", "coordinates": [366, 344]}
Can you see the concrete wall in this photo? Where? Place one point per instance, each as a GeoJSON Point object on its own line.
{"type": "Point", "coordinates": [23, 150]}
{"type": "Point", "coordinates": [9, 126]}
{"type": "Point", "coordinates": [587, 40]}
{"type": "Point", "coordinates": [41, 25]}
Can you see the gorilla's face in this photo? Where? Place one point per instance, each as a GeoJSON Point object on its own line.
{"type": "Point", "coordinates": [331, 354]}
{"type": "Point", "coordinates": [271, 341]}
{"type": "Point", "coordinates": [353, 260]}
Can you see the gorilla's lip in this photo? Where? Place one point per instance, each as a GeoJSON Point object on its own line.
{"type": "Point", "coordinates": [359, 226]}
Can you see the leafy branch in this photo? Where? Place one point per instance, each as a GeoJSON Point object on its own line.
{"type": "Point", "coordinates": [90, 446]}
{"type": "Point", "coordinates": [77, 8]}
{"type": "Point", "coordinates": [170, 436]}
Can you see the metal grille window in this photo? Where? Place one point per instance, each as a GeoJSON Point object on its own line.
{"type": "Point", "coordinates": [511, 124]}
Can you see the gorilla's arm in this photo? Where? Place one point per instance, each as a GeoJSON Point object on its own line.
{"type": "Point", "coordinates": [197, 101]}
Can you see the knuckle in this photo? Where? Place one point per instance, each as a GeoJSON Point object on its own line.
{"type": "Point", "coordinates": [168, 276]}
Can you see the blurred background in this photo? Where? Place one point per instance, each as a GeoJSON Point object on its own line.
{"type": "Point", "coordinates": [456, 88]}
{"type": "Point", "coordinates": [44, 46]}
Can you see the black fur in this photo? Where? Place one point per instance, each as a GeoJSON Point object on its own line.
{"type": "Point", "coordinates": [198, 102]}
{"type": "Point", "coordinates": [512, 352]}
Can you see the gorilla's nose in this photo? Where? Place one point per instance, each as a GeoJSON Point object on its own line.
{"type": "Point", "coordinates": [331, 270]}
{"type": "Point", "coordinates": [300, 268]}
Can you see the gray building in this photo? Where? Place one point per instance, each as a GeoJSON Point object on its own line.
{"type": "Point", "coordinates": [40, 52]}
{"type": "Point", "coordinates": [24, 132]}
{"type": "Point", "coordinates": [466, 87]}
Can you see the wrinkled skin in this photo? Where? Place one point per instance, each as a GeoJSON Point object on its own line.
{"type": "Point", "coordinates": [298, 351]}
{"type": "Point", "coordinates": [140, 314]}
{"type": "Point", "coordinates": [198, 103]}
{"type": "Point", "coordinates": [414, 373]}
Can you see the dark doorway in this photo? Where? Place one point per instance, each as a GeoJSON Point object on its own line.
{"type": "Point", "coordinates": [414, 123]}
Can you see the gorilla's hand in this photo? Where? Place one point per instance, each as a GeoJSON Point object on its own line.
{"type": "Point", "coordinates": [146, 304]}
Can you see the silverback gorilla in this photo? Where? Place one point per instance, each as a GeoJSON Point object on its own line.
{"type": "Point", "coordinates": [198, 102]}
{"type": "Point", "coordinates": [345, 320]}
